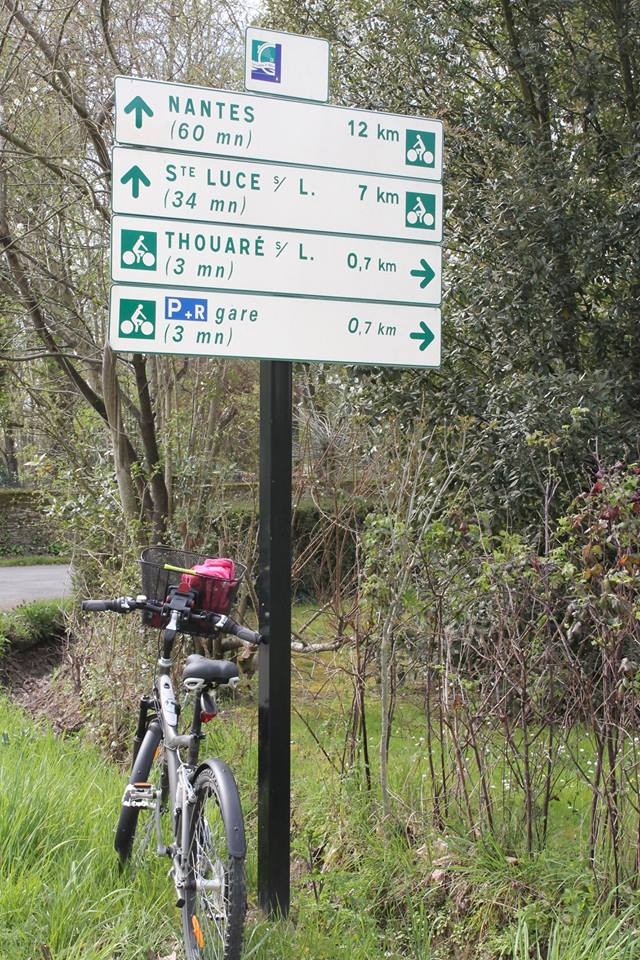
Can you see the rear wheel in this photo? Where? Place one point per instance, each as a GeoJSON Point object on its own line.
{"type": "Point", "coordinates": [147, 789]}
{"type": "Point", "coordinates": [215, 897]}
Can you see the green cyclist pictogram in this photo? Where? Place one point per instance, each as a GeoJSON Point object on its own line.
{"type": "Point", "coordinates": [137, 319]}
{"type": "Point", "coordinates": [420, 211]}
{"type": "Point", "coordinates": [420, 148]}
{"type": "Point", "coordinates": [138, 251]}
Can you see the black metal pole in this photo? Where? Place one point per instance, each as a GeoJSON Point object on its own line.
{"type": "Point", "coordinates": [274, 586]}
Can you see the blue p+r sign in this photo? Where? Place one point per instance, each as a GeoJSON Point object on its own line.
{"type": "Point", "coordinates": [185, 308]}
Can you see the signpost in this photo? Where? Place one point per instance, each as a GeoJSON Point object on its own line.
{"type": "Point", "coordinates": [253, 193]}
{"type": "Point", "coordinates": [255, 196]}
{"type": "Point", "coordinates": [211, 323]}
{"type": "Point", "coordinates": [198, 120]}
{"type": "Point", "coordinates": [273, 261]}
{"type": "Point", "coordinates": [253, 225]}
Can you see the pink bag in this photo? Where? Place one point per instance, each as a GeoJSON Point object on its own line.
{"type": "Point", "coordinates": [214, 580]}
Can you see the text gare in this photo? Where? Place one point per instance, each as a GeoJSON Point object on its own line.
{"type": "Point", "coordinates": [207, 337]}
{"type": "Point", "coordinates": [220, 314]}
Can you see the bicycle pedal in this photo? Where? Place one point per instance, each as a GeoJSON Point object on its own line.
{"type": "Point", "coordinates": [143, 795]}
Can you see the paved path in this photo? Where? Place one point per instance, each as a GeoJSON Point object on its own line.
{"type": "Point", "coordinates": [21, 584]}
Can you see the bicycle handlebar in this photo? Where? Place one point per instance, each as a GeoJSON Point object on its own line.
{"type": "Point", "coordinates": [242, 633]}
{"type": "Point", "coordinates": [119, 605]}
{"type": "Point", "coordinates": [218, 620]}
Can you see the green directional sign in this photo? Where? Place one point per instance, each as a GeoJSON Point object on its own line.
{"type": "Point", "coordinates": [223, 257]}
{"type": "Point", "coordinates": [278, 129]}
{"type": "Point", "coordinates": [170, 319]}
{"type": "Point", "coordinates": [274, 227]}
{"type": "Point", "coordinates": [136, 177]}
{"type": "Point", "coordinates": [138, 107]}
{"type": "Point", "coordinates": [174, 184]}
{"type": "Point", "coordinates": [424, 335]}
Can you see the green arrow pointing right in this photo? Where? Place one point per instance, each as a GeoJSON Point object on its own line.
{"type": "Point", "coordinates": [135, 176]}
{"type": "Point", "coordinates": [425, 272]}
{"type": "Point", "coordinates": [424, 334]}
{"type": "Point", "coordinates": [138, 106]}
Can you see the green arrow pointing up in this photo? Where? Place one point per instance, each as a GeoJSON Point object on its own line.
{"type": "Point", "coordinates": [425, 272]}
{"type": "Point", "coordinates": [423, 334]}
{"type": "Point", "coordinates": [135, 176]}
{"type": "Point", "coordinates": [138, 106]}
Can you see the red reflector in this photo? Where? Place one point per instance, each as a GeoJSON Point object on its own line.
{"type": "Point", "coordinates": [205, 717]}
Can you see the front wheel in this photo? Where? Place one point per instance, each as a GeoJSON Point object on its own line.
{"type": "Point", "coordinates": [215, 900]}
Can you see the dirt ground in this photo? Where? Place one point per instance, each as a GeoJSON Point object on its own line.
{"type": "Point", "coordinates": [37, 680]}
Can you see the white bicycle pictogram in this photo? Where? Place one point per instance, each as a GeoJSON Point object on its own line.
{"type": "Point", "coordinates": [420, 214]}
{"type": "Point", "coordinates": [139, 254]}
{"type": "Point", "coordinates": [137, 324]}
{"type": "Point", "coordinates": [418, 153]}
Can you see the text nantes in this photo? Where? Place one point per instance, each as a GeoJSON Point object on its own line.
{"type": "Point", "coordinates": [213, 109]}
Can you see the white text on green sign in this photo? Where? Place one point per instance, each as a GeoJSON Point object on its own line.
{"type": "Point", "coordinates": [150, 183]}
{"type": "Point", "coordinates": [274, 261]}
{"type": "Point", "coordinates": [211, 323]}
{"type": "Point", "coordinates": [252, 127]}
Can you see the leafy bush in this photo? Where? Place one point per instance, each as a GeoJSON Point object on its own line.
{"type": "Point", "coordinates": [31, 623]}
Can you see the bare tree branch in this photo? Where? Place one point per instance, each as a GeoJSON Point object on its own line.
{"type": "Point", "coordinates": [40, 325]}
{"type": "Point", "coordinates": [61, 81]}
{"type": "Point", "coordinates": [64, 173]}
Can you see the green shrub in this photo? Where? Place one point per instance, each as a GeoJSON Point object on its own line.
{"type": "Point", "coordinates": [31, 623]}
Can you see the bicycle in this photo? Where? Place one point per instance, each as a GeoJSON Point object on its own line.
{"type": "Point", "coordinates": [192, 807]}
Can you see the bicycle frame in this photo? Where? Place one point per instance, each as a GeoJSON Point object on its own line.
{"type": "Point", "coordinates": [180, 774]}
{"type": "Point", "coordinates": [201, 799]}
{"type": "Point", "coordinates": [164, 729]}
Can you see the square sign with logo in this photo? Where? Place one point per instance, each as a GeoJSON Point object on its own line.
{"type": "Point", "coordinates": [266, 61]}
{"type": "Point", "coordinates": [287, 65]}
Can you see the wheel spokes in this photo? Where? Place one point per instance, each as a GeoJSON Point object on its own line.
{"type": "Point", "coordinates": [209, 909]}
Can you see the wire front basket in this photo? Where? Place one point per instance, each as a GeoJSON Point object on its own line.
{"type": "Point", "coordinates": [215, 582]}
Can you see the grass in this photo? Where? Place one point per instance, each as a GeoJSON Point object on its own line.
{"type": "Point", "coordinates": [32, 560]}
{"type": "Point", "coordinates": [367, 889]}
{"type": "Point", "coordinates": [361, 888]}
{"type": "Point", "coordinates": [579, 938]}
{"type": "Point", "coordinates": [31, 623]}
{"type": "Point", "coordinates": [61, 896]}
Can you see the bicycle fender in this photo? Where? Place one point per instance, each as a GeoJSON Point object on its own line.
{"type": "Point", "coordinates": [144, 757]}
{"type": "Point", "coordinates": [229, 805]}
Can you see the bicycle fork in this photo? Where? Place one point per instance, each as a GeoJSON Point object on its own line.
{"type": "Point", "coordinates": [185, 803]}
{"type": "Point", "coordinates": [192, 845]}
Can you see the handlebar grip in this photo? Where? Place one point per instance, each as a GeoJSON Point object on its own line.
{"type": "Point", "coordinates": [243, 633]}
{"type": "Point", "coordinates": [227, 625]}
{"type": "Point", "coordinates": [97, 605]}
{"type": "Point", "coordinates": [119, 605]}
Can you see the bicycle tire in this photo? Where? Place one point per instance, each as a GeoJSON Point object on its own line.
{"type": "Point", "coordinates": [135, 829]}
{"type": "Point", "coordinates": [213, 916]}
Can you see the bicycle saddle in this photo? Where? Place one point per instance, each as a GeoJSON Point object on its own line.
{"type": "Point", "coordinates": [202, 668]}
